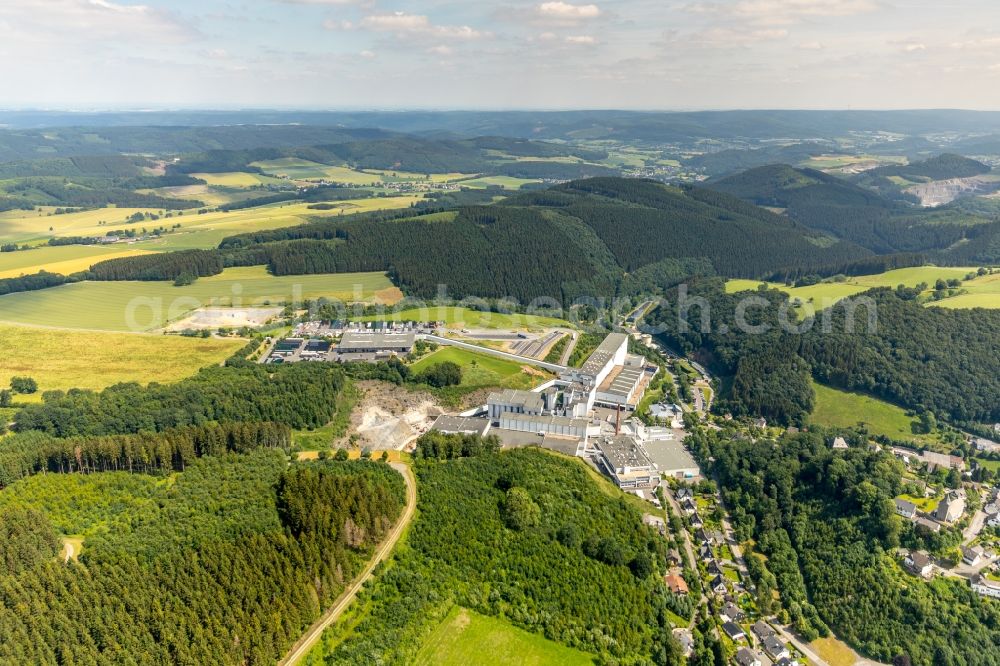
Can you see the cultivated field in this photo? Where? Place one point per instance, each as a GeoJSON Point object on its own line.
{"type": "Point", "coordinates": [144, 306]}
{"type": "Point", "coordinates": [466, 637]}
{"type": "Point", "coordinates": [296, 169]}
{"type": "Point", "coordinates": [458, 318]}
{"type": "Point", "coordinates": [65, 259]}
{"type": "Point", "coordinates": [74, 359]}
{"type": "Point", "coordinates": [196, 231]}
{"type": "Point", "coordinates": [235, 179]}
{"type": "Point", "coordinates": [506, 182]}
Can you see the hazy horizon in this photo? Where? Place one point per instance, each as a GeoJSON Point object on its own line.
{"type": "Point", "coordinates": [530, 55]}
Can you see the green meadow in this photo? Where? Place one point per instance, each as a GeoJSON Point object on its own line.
{"type": "Point", "coordinates": [844, 409]}
{"type": "Point", "coordinates": [144, 306]}
{"type": "Point", "coordinates": [483, 371]}
{"type": "Point", "coordinates": [983, 291]}
{"type": "Point", "coordinates": [466, 637]}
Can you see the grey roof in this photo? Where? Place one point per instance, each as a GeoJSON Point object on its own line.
{"type": "Point", "coordinates": [622, 382]}
{"type": "Point", "coordinates": [545, 420]}
{"type": "Point", "coordinates": [604, 353]}
{"type": "Point", "coordinates": [732, 629]}
{"type": "Point", "coordinates": [903, 505]}
{"type": "Point", "coordinates": [354, 340]}
{"type": "Point", "coordinates": [670, 454]}
{"type": "Point", "coordinates": [920, 559]}
{"type": "Point", "coordinates": [527, 399]}
{"type": "Point", "coordinates": [745, 657]}
{"type": "Point", "coordinates": [624, 451]}
{"type": "Point", "coordinates": [464, 424]}
{"type": "Point", "coordinates": [762, 629]}
{"type": "Point", "coordinates": [773, 645]}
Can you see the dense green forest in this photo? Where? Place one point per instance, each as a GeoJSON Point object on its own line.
{"type": "Point", "coordinates": [299, 395]}
{"type": "Point", "coordinates": [934, 359]}
{"type": "Point", "coordinates": [174, 449]}
{"type": "Point", "coordinates": [825, 521]}
{"type": "Point", "coordinates": [413, 154]}
{"type": "Point", "coordinates": [941, 167]}
{"type": "Point", "coordinates": [592, 237]}
{"type": "Point", "coordinates": [221, 566]}
{"type": "Point", "coordinates": [161, 266]}
{"type": "Point", "coordinates": [201, 543]}
{"type": "Point", "coordinates": [524, 535]}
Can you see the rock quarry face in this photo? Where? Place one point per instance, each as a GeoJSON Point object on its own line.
{"type": "Point", "coordinates": [940, 192]}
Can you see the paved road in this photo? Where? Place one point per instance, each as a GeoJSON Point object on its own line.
{"type": "Point", "coordinates": [799, 645]}
{"type": "Point", "coordinates": [974, 528]}
{"type": "Point", "coordinates": [570, 346]}
{"type": "Point", "coordinates": [304, 644]}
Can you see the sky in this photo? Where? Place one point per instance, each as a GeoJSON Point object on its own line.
{"type": "Point", "coordinates": [549, 54]}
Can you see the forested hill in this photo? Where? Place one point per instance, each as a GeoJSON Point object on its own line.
{"type": "Point", "coordinates": [591, 237]}
{"type": "Point", "coordinates": [495, 155]}
{"type": "Point", "coordinates": [859, 215]}
{"type": "Point", "coordinates": [942, 167]}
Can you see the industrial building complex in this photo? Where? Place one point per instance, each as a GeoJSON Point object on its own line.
{"type": "Point", "coordinates": [586, 412]}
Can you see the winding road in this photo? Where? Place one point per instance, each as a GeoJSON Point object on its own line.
{"type": "Point", "coordinates": [304, 644]}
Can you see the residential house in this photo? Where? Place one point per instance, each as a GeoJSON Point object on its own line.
{"type": "Point", "coordinates": [686, 640]}
{"type": "Point", "coordinates": [919, 563]}
{"type": "Point", "coordinates": [714, 568]}
{"type": "Point", "coordinates": [747, 657]}
{"type": "Point", "coordinates": [906, 509]}
{"type": "Point", "coordinates": [732, 613]}
{"type": "Point", "coordinates": [676, 583]}
{"type": "Point", "coordinates": [718, 585]}
{"type": "Point", "coordinates": [688, 506]}
{"type": "Point", "coordinates": [840, 444]}
{"type": "Point", "coordinates": [774, 648]}
{"type": "Point", "coordinates": [972, 556]}
{"type": "Point", "coordinates": [927, 524]}
{"type": "Point", "coordinates": [684, 493]}
{"type": "Point", "coordinates": [696, 521]}
{"type": "Point", "coordinates": [985, 587]}
{"type": "Point", "coordinates": [786, 661]}
{"type": "Point", "coordinates": [734, 631]}
{"type": "Point", "coordinates": [762, 630]}
{"type": "Point", "coordinates": [705, 553]}
{"type": "Point", "coordinates": [760, 423]}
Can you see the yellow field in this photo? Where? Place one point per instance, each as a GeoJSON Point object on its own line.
{"type": "Point", "coordinates": [21, 226]}
{"type": "Point", "coordinates": [203, 193]}
{"type": "Point", "coordinates": [834, 652]}
{"type": "Point", "coordinates": [197, 231]}
{"type": "Point", "coordinates": [234, 179]}
{"type": "Point", "coordinates": [65, 259]}
{"type": "Point", "coordinates": [74, 359]}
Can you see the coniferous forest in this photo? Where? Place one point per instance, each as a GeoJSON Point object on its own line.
{"type": "Point", "coordinates": [524, 535]}
{"type": "Point", "coordinates": [189, 537]}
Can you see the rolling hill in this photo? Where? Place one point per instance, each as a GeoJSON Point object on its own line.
{"type": "Point", "coordinates": [856, 214]}
{"type": "Point", "coordinates": [599, 236]}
